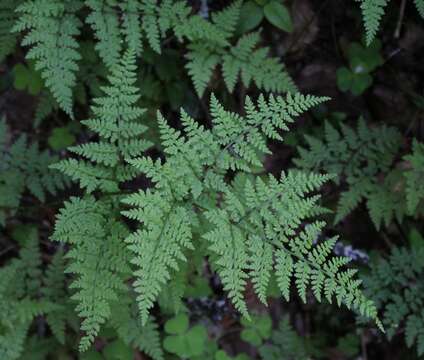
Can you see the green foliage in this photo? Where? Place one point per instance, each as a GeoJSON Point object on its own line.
{"type": "Point", "coordinates": [254, 226]}
{"type": "Point", "coordinates": [414, 186]}
{"type": "Point", "coordinates": [178, 232]}
{"type": "Point", "coordinates": [20, 298]}
{"type": "Point", "coordinates": [285, 344]}
{"type": "Point", "coordinates": [52, 27]}
{"type": "Point", "coordinates": [256, 329]}
{"type": "Point", "coordinates": [396, 286]}
{"type": "Point", "coordinates": [243, 59]}
{"type": "Point", "coordinates": [359, 159]}
{"type": "Point", "coordinates": [362, 62]}
{"type": "Point", "coordinates": [183, 341]}
{"type": "Point", "coordinates": [24, 167]}
{"type": "Point", "coordinates": [98, 258]}
{"type": "Point", "coordinates": [7, 19]}
{"type": "Point", "coordinates": [373, 11]}
{"type": "Point", "coordinates": [125, 319]}
{"type": "Point", "coordinates": [26, 78]}
{"type": "Point", "coordinates": [278, 15]}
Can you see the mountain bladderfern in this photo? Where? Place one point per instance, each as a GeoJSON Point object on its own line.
{"type": "Point", "coordinates": [266, 226]}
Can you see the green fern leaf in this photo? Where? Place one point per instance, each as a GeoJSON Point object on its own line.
{"type": "Point", "coordinates": [52, 28]}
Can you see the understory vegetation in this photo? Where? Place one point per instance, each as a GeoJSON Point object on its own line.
{"type": "Point", "coordinates": [211, 179]}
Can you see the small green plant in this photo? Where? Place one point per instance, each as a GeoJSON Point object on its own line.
{"type": "Point", "coordinates": [26, 78]}
{"type": "Point", "coordinates": [184, 341]}
{"type": "Point", "coordinates": [253, 12]}
{"type": "Point", "coordinates": [363, 61]}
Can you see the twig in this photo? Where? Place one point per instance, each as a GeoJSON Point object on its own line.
{"type": "Point", "coordinates": [400, 19]}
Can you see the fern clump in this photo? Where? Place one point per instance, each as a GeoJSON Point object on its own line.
{"type": "Point", "coordinates": [24, 167]}
{"type": "Point", "coordinates": [395, 284]}
{"type": "Point", "coordinates": [266, 225]}
{"type": "Point", "coordinates": [359, 159]}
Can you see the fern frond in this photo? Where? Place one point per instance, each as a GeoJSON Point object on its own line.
{"type": "Point", "coordinates": [251, 228]}
{"type": "Point", "coordinates": [117, 122]}
{"type": "Point", "coordinates": [358, 157]}
{"type": "Point", "coordinates": [420, 7]}
{"type": "Point", "coordinates": [52, 27]}
{"type": "Point", "coordinates": [104, 20]}
{"type": "Point", "coordinates": [97, 259]}
{"type": "Point", "coordinates": [372, 12]}
{"type": "Point", "coordinates": [24, 166]}
{"type": "Point", "coordinates": [145, 338]}
{"type": "Point", "coordinates": [396, 287]}
{"type": "Point", "coordinates": [7, 19]}
{"type": "Point", "coordinates": [414, 186]}
{"type": "Point", "coordinates": [158, 246]}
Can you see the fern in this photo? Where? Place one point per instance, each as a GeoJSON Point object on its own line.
{"type": "Point", "coordinates": [19, 298]}
{"type": "Point", "coordinates": [104, 19]}
{"type": "Point", "coordinates": [244, 58]}
{"type": "Point", "coordinates": [414, 188]}
{"type": "Point", "coordinates": [127, 324]}
{"type": "Point", "coordinates": [420, 7]}
{"type": "Point", "coordinates": [359, 158]}
{"type": "Point", "coordinates": [96, 258]}
{"type": "Point", "coordinates": [7, 19]}
{"type": "Point", "coordinates": [285, 344]}
{"type": "Point", "coordinates": [24, 166]}
{"type": "Point", "coordinates": [267, 213]}
{"type": "Point", "coordinates": [395, 284]}
{"type": "Point", "coordinates": [373, 11]}
{"type": "Point", "coordinates": [93, 226]}
{"type": "Point", "coordinates": [51, 27]}
{"type": "Point", "coordinates": [117, 122]}
{"type": "Point", "coordinates": [54, 290]}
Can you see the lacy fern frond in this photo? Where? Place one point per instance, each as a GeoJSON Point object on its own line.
{"type": "Point", "coordinates": [420, 7]}
{"type": "Point", "coordinates": [94, 228]}
{"type": "Point", "coordinates": [209, 48]}
{"type": "Point", "coordinates": [24, 167]}
{"type": "Point", "coordinates": [395, 284]}
{"type": "Point", "coordinates": [19, 297]}
{"type": "Point", "coordinates": [372, 12]}
{"type": "Point", "coordinates": [97, 259]}
{"type": "Point", "coordinates": [358, 158]}
{"type": "Point", "coordinates": [7, 19]}
{"type": "Point", "coordinates": [126, 321]}
{"type": "Point", "coordinates": [285, 344]}
{"type": "Point", "coordinates": [117, 122]}
{"type": "Point", "coordinates": [247, 230]}
{"type": "Point", "coordinates": [52, 27]}
{"type": "Point", "coordinates": [414, 188]}
{"type": "Point", "coordinates": [105, 22]}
